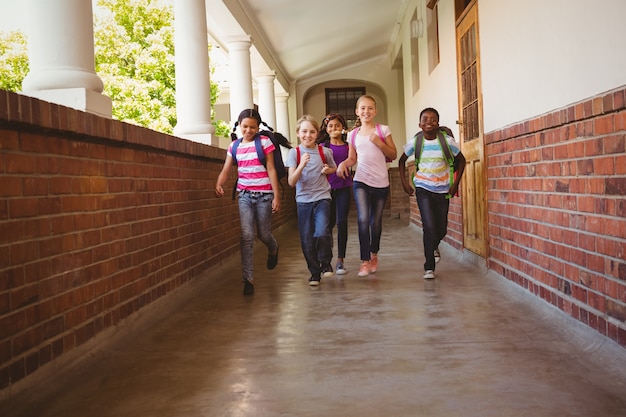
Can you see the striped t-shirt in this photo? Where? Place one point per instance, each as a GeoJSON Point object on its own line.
{"type": "Point", "coordinates": [252, 174]}
{"type": "Point", "coordinates": [434, 172]}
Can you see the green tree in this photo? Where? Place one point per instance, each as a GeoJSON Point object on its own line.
{"type": "Point", "coordinates": [134, 54]}
{"type": "Point", "coordinates": [13, 60]}
{"type": "Point", "coordinates": [134, 50]}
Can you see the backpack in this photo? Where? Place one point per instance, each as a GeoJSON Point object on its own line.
{"type": "Point", "coordinates": [278, 140]}
{"type": "Point", "coordinates": [380, 135]}
{"type": "Point", "coordinates": [418, 142]}
{"type": "Point", "coordinates": [319, 149]}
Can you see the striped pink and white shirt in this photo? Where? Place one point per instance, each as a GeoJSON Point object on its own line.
{"type": "Point", "coordinates": [252, 174]}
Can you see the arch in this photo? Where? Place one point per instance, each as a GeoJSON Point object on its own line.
{"type": "Point", "coordinates": [313, 98]}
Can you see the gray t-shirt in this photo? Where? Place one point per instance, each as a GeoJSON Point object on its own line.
{"type": "Point", "coordinates": [312, 185]}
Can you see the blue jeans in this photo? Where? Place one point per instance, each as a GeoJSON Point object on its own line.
{"type": "Point", "coordinates": [370, 203]}
{"type": "Point", "coordinates": [339, 209]}
{"type": "Point", "coordinates": [255, 210]}
{"type": "Point", "coordinates": [434, 213]}
{"type": "Point", "coordinates": [315, 237]}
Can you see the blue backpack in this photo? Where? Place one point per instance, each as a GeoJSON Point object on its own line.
{"type": "Point", "coordinates": [278, 140]}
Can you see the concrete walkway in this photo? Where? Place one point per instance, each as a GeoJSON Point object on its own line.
{"type": "Point", "coordinates": [392, 344]}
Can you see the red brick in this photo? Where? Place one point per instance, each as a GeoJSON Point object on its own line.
{"type": "Point", "coordinates": [33, 143]}
{"type": "Point", "coordinates": [620, 121]}
{"type": "Point", "coordinates": [20, 164]}
{"type": "Point", "coordinates": [23, 207]}
{"type": "Point", "coordinates": [604, 125]}
{"type": "Point", "coordinates": [34, 186]}
{"type": "Point", "coordinates": [10, 186]}
{"type": "Point", "coordinates": [23, 252]}
{"type": "Point", "coordinates": [620, 165]}
{"type": "Point", "coordinates": [614, 144]}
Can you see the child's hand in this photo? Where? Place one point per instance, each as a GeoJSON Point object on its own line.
{"type": "Point", "coordinates": [305, 159]}
{"type": "Point", "coordinates": [408, 189]}
{"type": "Point", "coordinates": [342, 171]}
{"type": "Point", "coordinates": [325, 169]}
{"type": "Point", "coordinates": [219, 191]}
{"type": "Point", "coordinates": [275, 205]}
{"type": "Point", "coordinates": [376, 140]}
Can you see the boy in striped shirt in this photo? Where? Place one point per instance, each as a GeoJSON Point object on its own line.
{"type": "Point", "coordinates": [433, 184]}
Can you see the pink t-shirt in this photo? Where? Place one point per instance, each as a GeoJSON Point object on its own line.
{"type": "Point", "coordinates": [371, 164]}
{"type": "Point", "coordinates": [252, 174]}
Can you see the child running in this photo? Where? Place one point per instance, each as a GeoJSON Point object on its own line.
{"type": "Point", "coordinates": [371, 146]}
{"type": "Point", "coordinates": [259, 196]}
{"type": "Point", "coordinates": [333, 136]}
{"type": "Point", "coordinates": [434, 183]}
{"type": "Point", "coordinates": [309, 164]}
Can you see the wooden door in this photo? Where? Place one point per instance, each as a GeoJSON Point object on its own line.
{"type": "Point", "coordinates": [473, 187]}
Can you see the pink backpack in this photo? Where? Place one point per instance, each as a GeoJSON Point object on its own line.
{"type": "Point", "coordinates": [379, 131]}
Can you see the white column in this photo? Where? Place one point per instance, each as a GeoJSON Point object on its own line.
{"type": "Point", "coordinates": [282, 115]}
{"type": "Point", "coordinates": [61, 56]}
{"type": "Point", "coordinates": [241, 74]}
{"type": "Point", "coordinates": [193, 87]}
{"type": "Point", "coordinates": [267, 100]}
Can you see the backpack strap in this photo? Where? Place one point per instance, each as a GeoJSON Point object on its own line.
{"type": "Point", "coordinates": [418, 144]}
{"type": "Point", "coordinates": [380, 132]}
{"type": "Point", "coordinates": [257, 144]}
{"type": "Point", "coordinates": [259, 150]}
{"type": "Point", "coordinates": [319, 149]}
{"type": "Point", "coordinates": [445, 147]}
{"type": "Point", "coordinates": [233, 150]}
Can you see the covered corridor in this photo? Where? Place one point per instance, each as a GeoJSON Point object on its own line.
{"type": "Point", "coordinates": [392, 344]}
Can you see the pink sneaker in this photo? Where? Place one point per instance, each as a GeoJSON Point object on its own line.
{"type": "Point", "coordinates": [374, 264]}
{"type": "Point", "coordinates": [364, 270]}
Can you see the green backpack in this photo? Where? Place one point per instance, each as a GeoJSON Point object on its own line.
{"type": "Point", "coordinates": [418, 142]}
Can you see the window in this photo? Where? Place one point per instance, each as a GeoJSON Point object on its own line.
{"type": "Point", "coordinates": [343, 102]}
{"type": "Point", "coordinates": [432, 33]}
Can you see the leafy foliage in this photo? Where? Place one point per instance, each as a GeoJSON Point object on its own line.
{"type": "Point", "coordinates": [13, 60]}
{"type": "Point", "coordinates": [134, 51]}
{"type": "Point", "coordinates": [134, 54]}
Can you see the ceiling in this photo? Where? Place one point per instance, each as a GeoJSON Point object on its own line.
{"type": "Point", "coordinates": [301, 39]}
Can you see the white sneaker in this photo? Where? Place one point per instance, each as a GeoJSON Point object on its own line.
{"type": "Point", "coordinates": [429, 274]}
{"type": "Point", "coordinates": [340, 269]}
{"type": "Point", "coordinates": [437, 256]}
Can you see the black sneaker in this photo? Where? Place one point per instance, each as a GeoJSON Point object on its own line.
{"type": "Point", "coordinates": [314, 281]}
{"type": "Point", "coordinates": [248, 288]}
{"type": "Point", "coordinates": [327, 270]}
{"type": "Point", "coordinates": [272, 260]}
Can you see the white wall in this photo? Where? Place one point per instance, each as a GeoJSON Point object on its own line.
{"type": "Point", "coordinates": [438, 89]}
{"type": "Point", "coordinates": [541, 55]}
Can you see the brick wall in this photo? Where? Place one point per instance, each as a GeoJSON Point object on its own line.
{"type": "Point", "coordinates": [557, 212]}
{"type": "Point", "coordinates": [98, 219]}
